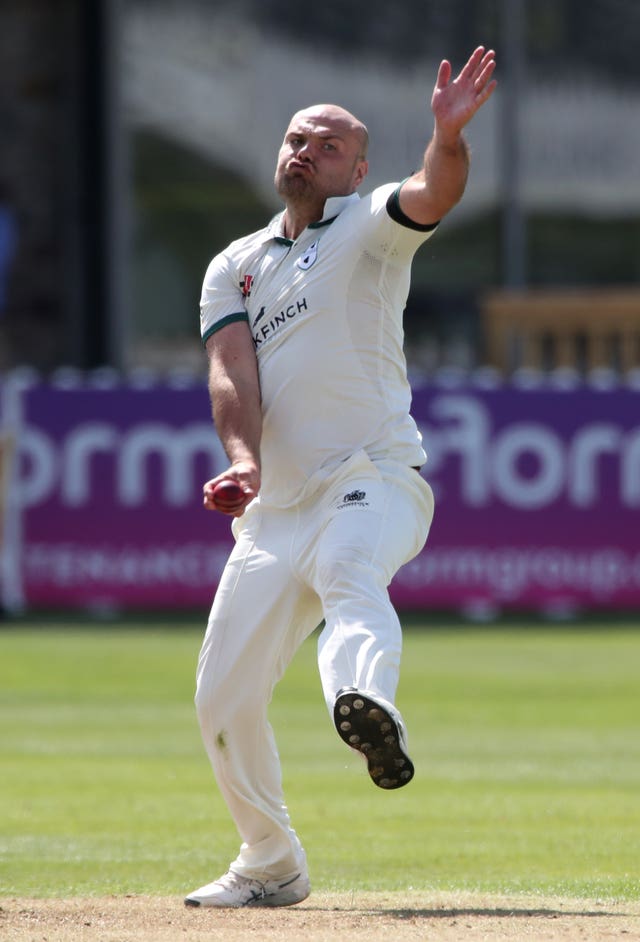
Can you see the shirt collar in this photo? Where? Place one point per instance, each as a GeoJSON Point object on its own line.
{"type": "Point", "coordinates": [332, 208]}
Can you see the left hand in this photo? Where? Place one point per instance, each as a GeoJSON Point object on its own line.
{"type": "Point", "coordinates": [455, 103]}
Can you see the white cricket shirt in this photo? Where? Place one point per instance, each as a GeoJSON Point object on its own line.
{"type": "Point", "coordinates": [325, 312]}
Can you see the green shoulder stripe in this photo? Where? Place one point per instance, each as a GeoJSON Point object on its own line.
{"type": "Point", "coordinates": [229, 319]}
{"type": "Point", "coordinates": [395, 211]}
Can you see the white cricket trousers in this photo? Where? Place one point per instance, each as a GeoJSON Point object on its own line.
{"type": "Point", "coordinates": [331, 557]}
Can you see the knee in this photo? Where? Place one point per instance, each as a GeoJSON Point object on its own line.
{"type": "Point", "coordinates": [221, 706]}
{"type": "Point", "coordinates": [207, 705]}
{"type": "Point", "coordinates": [214, 712]}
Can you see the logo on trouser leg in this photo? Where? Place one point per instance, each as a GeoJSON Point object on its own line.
{"type": "Point", "coordinates": [354, 499]}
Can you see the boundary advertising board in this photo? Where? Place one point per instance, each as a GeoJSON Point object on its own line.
{"type": "Point", "coordinates": [537, 498]}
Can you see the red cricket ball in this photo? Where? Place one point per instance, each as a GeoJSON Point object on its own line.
{"type": "Point", "coordinates": [228, 495]}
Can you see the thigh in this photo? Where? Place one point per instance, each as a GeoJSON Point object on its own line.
{"type": "Point", "coordinates": [376, 520]}
{"type": "Point", "coordinates": [261, 613]}
{"type": "Point", "coordinates": [373, 523]}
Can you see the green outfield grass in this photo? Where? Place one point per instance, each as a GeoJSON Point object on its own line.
{"type": "Point", "coordinates": [526, 742]}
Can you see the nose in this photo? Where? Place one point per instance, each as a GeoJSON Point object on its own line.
{"type": "Point", "coordinates": [304, 151]}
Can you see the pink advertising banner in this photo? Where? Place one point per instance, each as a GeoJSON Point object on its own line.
{"type": "Point", "coordinates": [537, 498]}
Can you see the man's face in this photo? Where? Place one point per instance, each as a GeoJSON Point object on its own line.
{"type": "Point", "coordinates": [322, 155]}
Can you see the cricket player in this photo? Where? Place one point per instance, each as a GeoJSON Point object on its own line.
{"type": "Point", "coordinates": [302, 323]}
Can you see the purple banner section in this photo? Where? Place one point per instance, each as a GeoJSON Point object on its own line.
{"type": "Point", "coordinates": [109, 483]}
{"type": "Point", "coordinates": [537, 499]}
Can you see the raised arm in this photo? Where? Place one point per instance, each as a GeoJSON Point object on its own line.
{"type": "Point", "coordinates": [435, 189]}
{"type": "Point", "coordinates": [234, 388]}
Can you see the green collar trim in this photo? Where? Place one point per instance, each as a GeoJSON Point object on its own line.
{"type": "Point", "coordinates": [323, 222]}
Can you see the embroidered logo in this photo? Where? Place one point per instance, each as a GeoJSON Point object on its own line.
{"type": "Point", "coordinates": [354, 496]}
{"type": "Point", "coordinates": [245, 285]}
{"type": "Point", "coordinates": [353, 499]}
{"type": "Point", "coordinates": [308, 259]}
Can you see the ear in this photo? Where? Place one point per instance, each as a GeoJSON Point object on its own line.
{"type": "Point", "coordinates": [360, 173]}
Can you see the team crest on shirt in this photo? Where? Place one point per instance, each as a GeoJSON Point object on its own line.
{"type": "Point", "coordinates": [245, 285]}
{"type": "Point", "coordinates": [307, 260]}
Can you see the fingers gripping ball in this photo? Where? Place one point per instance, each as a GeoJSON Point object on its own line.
{"type": "Point", "coordinates": [228, 496]}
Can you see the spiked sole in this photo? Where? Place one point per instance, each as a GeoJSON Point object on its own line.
{"type": "Point", "coordinates": [368, 728]}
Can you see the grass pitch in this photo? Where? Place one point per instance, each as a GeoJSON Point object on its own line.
{"type": "Point", "coordinates": [526, 743]}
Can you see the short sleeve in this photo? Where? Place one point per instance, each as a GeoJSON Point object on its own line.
{"type": "Point", "coordinates": [387, 232]}
{"type": "Point", "coordinates": [222, 301]}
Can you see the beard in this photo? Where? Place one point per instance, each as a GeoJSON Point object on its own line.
{"type": "Point", "coordinates": [294, 185]}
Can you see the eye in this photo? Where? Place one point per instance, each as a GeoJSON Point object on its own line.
{"type": "Point", "coordinates": [328, 146]}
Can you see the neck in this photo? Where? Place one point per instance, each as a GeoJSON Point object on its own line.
{"type": "Point", "coordinates": [297, 218]}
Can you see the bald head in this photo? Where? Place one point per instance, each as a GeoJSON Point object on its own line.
{"type": "Point", "coordinates": [338, 119]}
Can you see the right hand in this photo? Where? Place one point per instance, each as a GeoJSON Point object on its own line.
{"type": "Point", "coordinates": [246, 474]}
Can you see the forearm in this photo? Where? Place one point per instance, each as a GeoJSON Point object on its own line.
{"type": "Point", "coordinates": [429, 194]}
{"type": "Point", "coordinates": [445, 170]}
{"type": "Point", "coordinates": [234, 388]}
{"type": "Point", "coordinates": [235, 404]}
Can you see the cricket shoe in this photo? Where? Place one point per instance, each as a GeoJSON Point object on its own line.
{"type": "Point", "coordinates": [374, 728]}
{"type": "Point", "coordinates": [232, 891]}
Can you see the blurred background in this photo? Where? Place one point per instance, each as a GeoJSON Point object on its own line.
{"type": "Point", "coordinates": [139, 137]}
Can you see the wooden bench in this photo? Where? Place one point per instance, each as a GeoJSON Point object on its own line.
{"type": "Point", "coordinates": [547, 329]}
